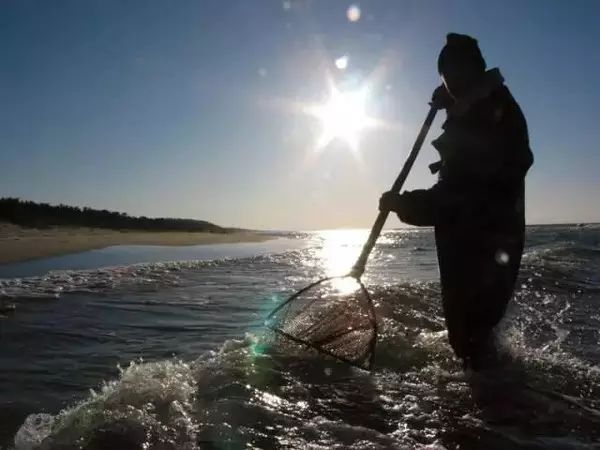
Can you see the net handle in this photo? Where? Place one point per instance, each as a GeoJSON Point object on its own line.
{"type": "Point", "coordinates": [359, 267]}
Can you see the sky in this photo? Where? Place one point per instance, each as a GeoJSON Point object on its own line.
{"type": "Point", "coordinates": [198, 108]}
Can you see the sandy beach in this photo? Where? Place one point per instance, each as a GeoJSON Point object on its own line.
{"type": "Point", "coordinates": [21, 244]}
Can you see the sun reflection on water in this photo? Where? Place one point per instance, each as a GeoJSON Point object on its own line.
{"type": "Point", "coordinates": [337, 255]}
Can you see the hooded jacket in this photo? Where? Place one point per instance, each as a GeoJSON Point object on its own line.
{"type": "Point", "coordinates": [485, 155]}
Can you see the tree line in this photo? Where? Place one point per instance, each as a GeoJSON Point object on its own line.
{"type": "Point", "coordinates": [39, 215]}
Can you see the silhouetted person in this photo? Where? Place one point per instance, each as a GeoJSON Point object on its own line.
{"type": "Point", "coordinates": [477, 205]}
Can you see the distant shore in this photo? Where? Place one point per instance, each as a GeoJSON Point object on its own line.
{"type": "Point", "coordinates": [22, 244]}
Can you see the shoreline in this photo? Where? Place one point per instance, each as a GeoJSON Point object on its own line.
{"type": "Point", "coordinates": [19, 244]}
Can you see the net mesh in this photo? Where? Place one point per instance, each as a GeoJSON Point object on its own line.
{"type": "Point", "coordinates": [335, 316]}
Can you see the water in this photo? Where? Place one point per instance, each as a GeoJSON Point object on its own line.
{"type": "Point", "coordinates": [132, 254]}
{"type": "Point", "coordinates": [166, 355]}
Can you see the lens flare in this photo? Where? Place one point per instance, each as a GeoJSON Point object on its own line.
{"type": "Point", "coordinates": [342, 62]}
{"type": "Point", "coordinates": [353, 13]}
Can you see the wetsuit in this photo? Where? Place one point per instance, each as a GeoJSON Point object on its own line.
{"type": "Point", "coordinates": [477, 208]}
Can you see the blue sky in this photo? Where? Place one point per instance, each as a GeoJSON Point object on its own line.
{"type": "Point", "coordinates": [186, 108]}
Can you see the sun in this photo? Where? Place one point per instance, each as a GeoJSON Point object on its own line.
{"type": "Point", "coordinates": [343, 116]}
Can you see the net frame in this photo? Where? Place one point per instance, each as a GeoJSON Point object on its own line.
{"type": "Point", "coordinates": [269, 323]}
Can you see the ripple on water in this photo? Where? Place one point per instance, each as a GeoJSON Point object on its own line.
{"type": "Point", "coordinates": [258, 392]}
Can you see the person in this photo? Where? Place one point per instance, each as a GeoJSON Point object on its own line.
{"type": "Point", "coordinates": [477, 206]}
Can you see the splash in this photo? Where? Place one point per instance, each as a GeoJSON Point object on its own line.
{"type": "Point", "coordinates": [149, 406]}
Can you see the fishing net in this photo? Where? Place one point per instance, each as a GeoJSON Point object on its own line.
{"type": "Point", "coordinates": [334, 316]}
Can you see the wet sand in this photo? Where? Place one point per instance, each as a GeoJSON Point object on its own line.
{"type": "Point", "coordinates": [21, 244]}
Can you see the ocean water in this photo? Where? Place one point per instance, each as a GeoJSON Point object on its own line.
{"type": "Point", "coordinates": [174, 355]}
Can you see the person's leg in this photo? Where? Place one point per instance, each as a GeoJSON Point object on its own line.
{"type": "Point", "coordinates": [456, 323]}
{"type": "Point", "coordinates": [455, 258]}
{"type": "Point", "coordinates": [498, 269]}
{"type": "Point", "coordinates": [459, 293]}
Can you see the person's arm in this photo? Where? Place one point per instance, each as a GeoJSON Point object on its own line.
{"type": "Point", "coordinates": [412, 207]}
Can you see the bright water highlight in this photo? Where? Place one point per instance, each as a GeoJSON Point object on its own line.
{"type": "Point", "coordinates": [176, 355]}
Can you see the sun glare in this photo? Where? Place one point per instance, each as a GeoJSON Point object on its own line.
{"type": "Point", "coordinates": [339, 251]}
{"type": "Point", "coordinates": [342, 116]}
